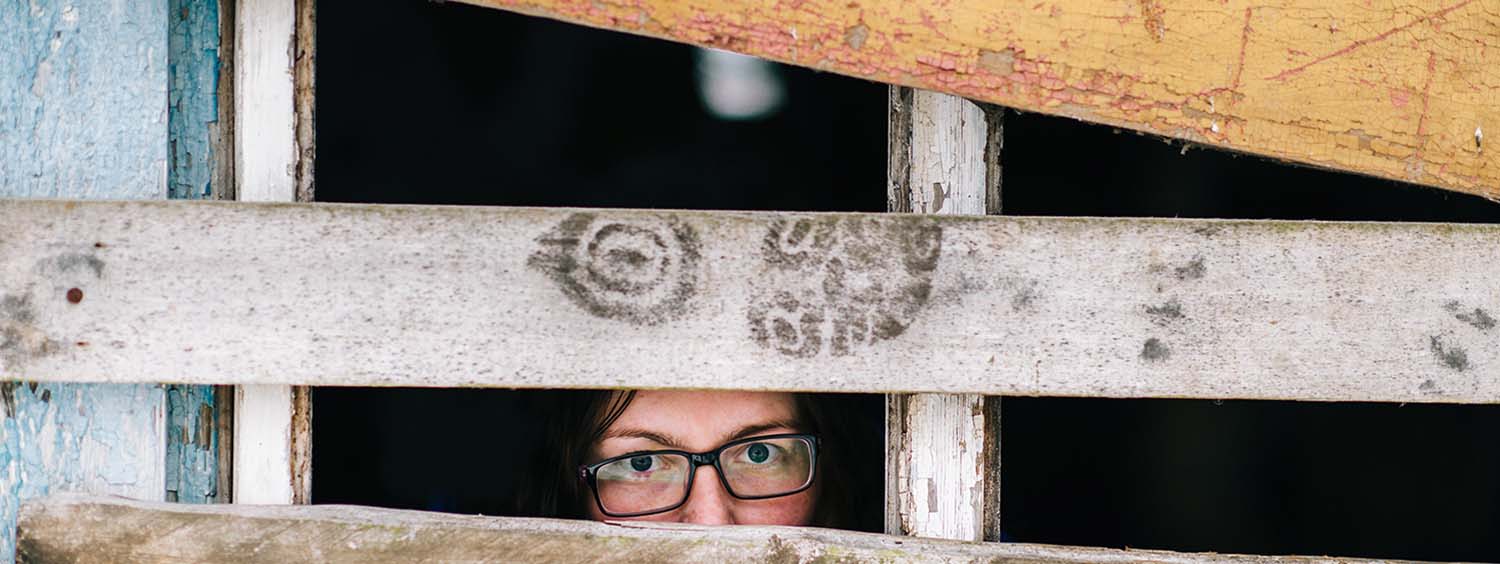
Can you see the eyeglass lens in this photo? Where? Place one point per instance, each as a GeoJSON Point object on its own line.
{"type": "Point", "coordinates": [655, 482]}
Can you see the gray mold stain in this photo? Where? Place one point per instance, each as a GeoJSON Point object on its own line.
{"type": "Point", "coordinates": [72, 262]}
{"type": "Point", "coordinates": [834, 284]}
{"type": "Point", "coordinates": [639, 270]}
{"type": "Point", "coordinates": [1191, 271]}
{"type": "Point", "coordinates": [1025, 298]}
{"type": "Point", "coordinates": [19, 340]}
{"type": "Point", "coordinates": [1165, 313]}
{"type": "Point", "coordinates": [16, 308]}
{"type": "Point", "coordinates": [1450, 355]}
{"type": "Point", "coordinates": [1154, 350]}
{"type": "Point", "coordinates": [1478, 318]}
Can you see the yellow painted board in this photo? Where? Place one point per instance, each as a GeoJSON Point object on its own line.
{"type": "Point", "coordinates": [1403, 89]}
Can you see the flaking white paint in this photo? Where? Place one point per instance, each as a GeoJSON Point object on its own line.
{"type": "Point", "coordinates": [262, 441]}
{"type": "Point", "coordinates": [940, 438]}
{"type": "Point", "coordinates": [265, 171]}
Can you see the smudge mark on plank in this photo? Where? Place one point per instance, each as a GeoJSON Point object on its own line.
{"type": "Point", "coordinates": [1478, 317]}
{"type": "Point", "coordinates": [834, 284]}
{"type": "Point", "coordinates": [1192, 270]}
{"type": "Point", "coordinates": [1450, 355]}
{"type": "Point", "coordinates": [72, 261]}
{"type": "Point", "coordinates": [1154, 350]}
{"type": "Point", "coordinates": [1025, 298]}
{"type": "Point", "coordinates": [1165, 313]}
{"type": "Point", "coordinates": [17, 308]}
{"type": "Point", "coordinates": [641, 270]}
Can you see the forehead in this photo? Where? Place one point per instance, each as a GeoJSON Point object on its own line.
{"type": "Point", "coordinates": [702, 418]}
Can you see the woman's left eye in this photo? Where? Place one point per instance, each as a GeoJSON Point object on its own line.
{"type": "Point", "coordinates": [762, 453]}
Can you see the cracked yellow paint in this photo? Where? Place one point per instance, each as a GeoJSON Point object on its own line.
{"type": "Point", "coordinates": [1392, 88]}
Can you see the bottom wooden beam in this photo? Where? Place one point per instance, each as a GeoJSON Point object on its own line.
{"type": "Point", "coordinates": [78, 528]}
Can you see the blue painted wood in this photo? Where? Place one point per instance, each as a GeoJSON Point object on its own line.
{"type": "Point", "coordinates": [100, 438]}
{"type": "Point", "coordinates": [83, 114]}
{"type": "Point", "coordinates": [83, 99]}
{"type": "Point", "coordinates": [193, 126]}
{"type": "Point", "coordinates": [193, 103]}
{"type": "Point", "coordinates": [192, 444]}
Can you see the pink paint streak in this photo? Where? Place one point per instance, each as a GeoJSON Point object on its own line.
{"type": "Point", "coordinates": [1283, 75]}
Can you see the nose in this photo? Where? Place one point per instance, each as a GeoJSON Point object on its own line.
{"type": "Point", "coordinates": [707, 503]}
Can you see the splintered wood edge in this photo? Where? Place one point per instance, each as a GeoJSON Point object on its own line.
{"type": "Point", "coordinates": [85, 528]}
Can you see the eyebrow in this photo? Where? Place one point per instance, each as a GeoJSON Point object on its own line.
{"type": "Point", "coordinates": [668, 439]}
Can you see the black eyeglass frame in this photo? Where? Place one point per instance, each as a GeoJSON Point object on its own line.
{"type": "Point", "coordinates": [590, 472]}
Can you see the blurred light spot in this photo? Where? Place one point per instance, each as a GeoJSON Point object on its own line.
{"type": "Point", "coordinates": [738, 87]}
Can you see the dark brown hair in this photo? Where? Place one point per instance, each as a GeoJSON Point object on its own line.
{"type": "Point", "coordinates": [576, 419]}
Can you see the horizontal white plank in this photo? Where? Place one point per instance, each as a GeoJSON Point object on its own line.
{"type": "Point", "coordinates": [74, 528]}
{"type": "Point", "coordinates": [214, 292]}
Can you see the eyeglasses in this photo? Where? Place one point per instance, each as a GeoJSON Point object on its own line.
{"type": "Point", "coordinates": [643, 483]}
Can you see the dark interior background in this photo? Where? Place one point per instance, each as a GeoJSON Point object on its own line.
{"type": "Point", "coordinates": [434, 103]}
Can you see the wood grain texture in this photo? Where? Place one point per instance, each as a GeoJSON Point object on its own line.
{"type": "Point", "coordinates": [1401, 89]}
{"type": "Point", "coordinates": [274, 163]}
{"type": "Point", "coordinates": [262, 441]}
{"type": "Point", "coordinates": [941, 448]}
{"type": "Point", "coordinates": [305, 89]}
{"type": "Point", "coordinates": [326, 294]}
{"type": "Point", "coordinates": [265, 136]}
{"type": "Point", "coordinates": [80, 529]}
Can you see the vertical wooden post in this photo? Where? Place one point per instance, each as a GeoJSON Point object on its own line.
{"type": "Point", "coordinates": [273, 152]}
{"type": "Point", "coordinates": [942, 450]}
{"type": "Point", "coordinates": [200, 43]}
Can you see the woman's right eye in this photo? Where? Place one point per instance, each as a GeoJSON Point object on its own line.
{"type": "Point", "coordinates": [642, 463]}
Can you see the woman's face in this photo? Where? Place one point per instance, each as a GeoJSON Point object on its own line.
{"type": "Point", "coordinates": [697, 421]}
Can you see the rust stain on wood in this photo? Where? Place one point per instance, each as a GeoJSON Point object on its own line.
{"type": "Point", "coordinates": [1288, 79]}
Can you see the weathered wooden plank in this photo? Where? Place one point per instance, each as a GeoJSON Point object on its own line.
{"type": "Point", "coordinates": [327, 294]}
{"type": "Point", "coordinates": [201, 162]}
{"type": "Point", "coordinates": [265, 148]}
{"type": "Point", "coordinates": [273, 145]}
{"type": "Point", "coordinates": [262, 441]}
{"type": "Point", "coordinates": [942, 448]}
{"type": "Point", "coordinates": [192, 445]}
{"type": "Point", "coordinates": [81, 529]}
{"type": "Point", "coordinates": [1401, 89]}
{"type": "Point", "coordinates": [83, 114]}
{"type": "Point", "coordinates": [194, 118]}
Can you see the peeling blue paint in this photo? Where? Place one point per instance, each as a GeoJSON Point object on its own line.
{"type": "Point", "coordinates": [192, 439]}
{"type": "Point", "coordinates": [192, 99]}
{"type": "Point", "coordinates": [192, 460]}
{"type": "Point", "coordinates": [84, 114]}
{"type": "Point", "coordinates": [102, 438]}
{"type": "Point", "coordinates": [83, 99]}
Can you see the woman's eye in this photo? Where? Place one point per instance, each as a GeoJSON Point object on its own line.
{"type": "Point", "coordinates": [762, 453]}
{"type": "Point", "coordinates": [641, 463]}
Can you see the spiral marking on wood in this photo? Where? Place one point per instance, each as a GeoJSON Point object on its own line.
{"type": "Point", "coordinates": [640, 270]}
